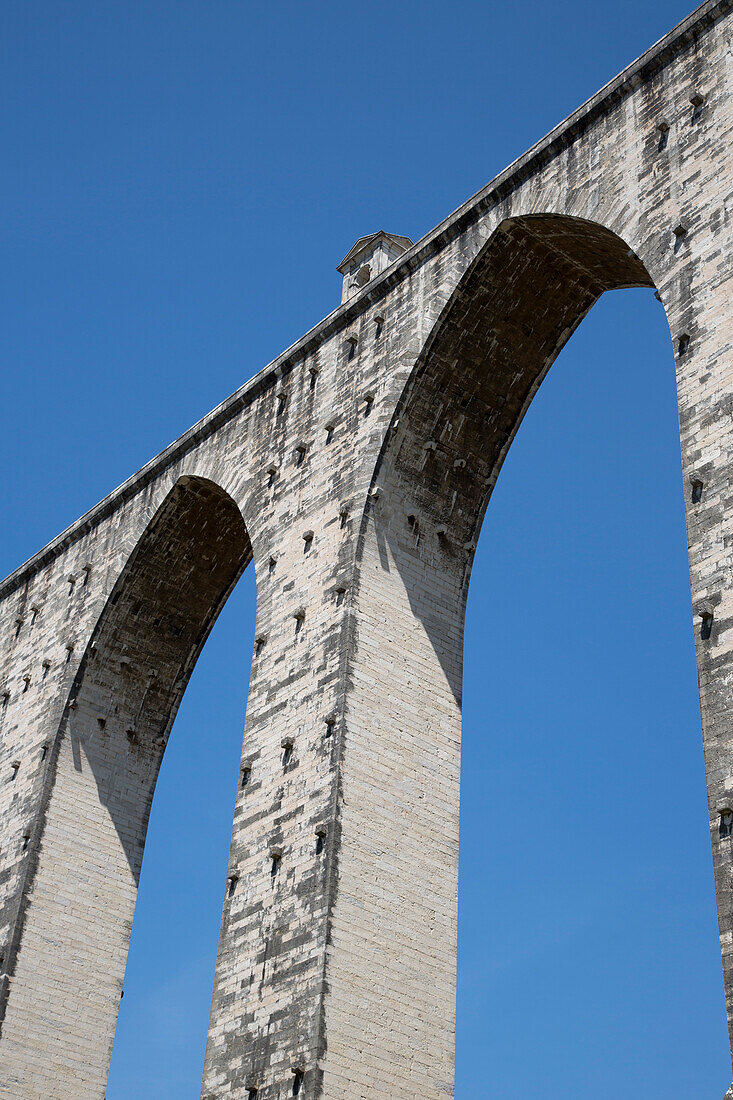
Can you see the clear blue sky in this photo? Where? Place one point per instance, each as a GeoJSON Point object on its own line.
{"type": "Point", "coordinates": [179, 181]}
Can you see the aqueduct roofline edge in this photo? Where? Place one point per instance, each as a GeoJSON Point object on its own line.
{"type": "Point", "coordinates": [533, 160]}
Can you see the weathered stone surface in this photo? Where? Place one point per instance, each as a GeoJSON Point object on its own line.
{"type": "Point", "coordinates": [353, 473]}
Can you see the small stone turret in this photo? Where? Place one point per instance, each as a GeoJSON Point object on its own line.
{"type": "Point", "coordinates": [368, 258]}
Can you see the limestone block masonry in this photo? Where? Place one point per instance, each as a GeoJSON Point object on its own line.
{"type": "Point", "coordinates": [352, 474]}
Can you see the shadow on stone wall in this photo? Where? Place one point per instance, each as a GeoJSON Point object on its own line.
{"type": "Point", "coordinates": [144, 648]}
{"type": "Point", "coordinates": [515, 309]}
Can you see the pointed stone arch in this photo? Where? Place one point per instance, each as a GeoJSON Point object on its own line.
{"type": "Point", "coordinates": [513, 311]}
{"type": "Point", "coordinates": [106, 756]}
{"type": "Point", "coordinates": [511, 314]}
{"type": "Point", "coordinates": [349, 982]}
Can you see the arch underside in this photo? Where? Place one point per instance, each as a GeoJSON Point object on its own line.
{"type": "Point", "coordinates": [513, 312]}
{"type": "Point", "coordinates": [146, 644]}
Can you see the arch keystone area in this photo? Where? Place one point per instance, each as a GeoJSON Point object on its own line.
{"type": "Point", "coordinates": [353, 473]}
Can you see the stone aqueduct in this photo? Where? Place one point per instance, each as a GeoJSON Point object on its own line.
{"type": "Point", "coordinates": [353, 473]}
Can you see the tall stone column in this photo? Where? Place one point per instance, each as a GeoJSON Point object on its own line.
{"type": "Point", "coordinates": [336, 968]}
{"type": "Point", "coordinates": [391, 971]}
{"type": "Point", "coordinates": [266, 1033]}
{"type": "Point", "coordinates": [702, 327]}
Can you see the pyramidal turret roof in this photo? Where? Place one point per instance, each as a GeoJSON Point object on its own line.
{"type": "Point", "coordinates": [403, 243]}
